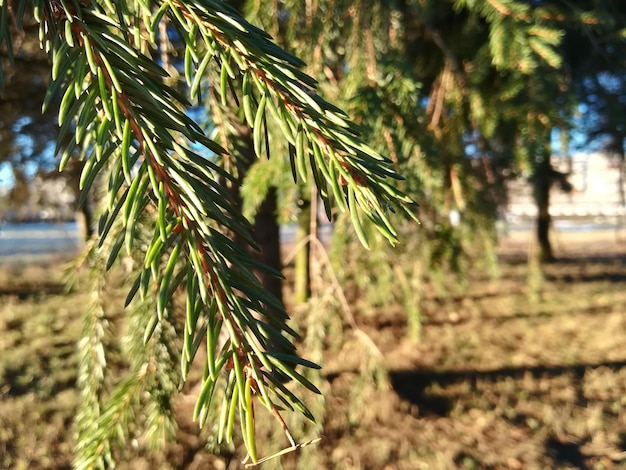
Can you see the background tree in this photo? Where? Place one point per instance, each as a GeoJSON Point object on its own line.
{"type": "Point", "coordinates": [594, 51]}
{"type": "Point", "coordinates": [25, 133]}
{"type": "Point", "coordinates": [445, 89]}
{"type": "Point", "coordinates": [468, 92]}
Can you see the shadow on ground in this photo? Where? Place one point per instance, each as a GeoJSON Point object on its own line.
{"type": "Point", "coordinates": [413, 386]}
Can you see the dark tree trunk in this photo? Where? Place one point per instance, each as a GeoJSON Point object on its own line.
{"type": "Point", "coordinates": [542, 182]}
{"type": "Point", "coordinates": [266, 230]}
{"type": "Point", "coordinates": [84, 213]}
{"type": "Point", "coordinates": [84, 218]}
{"type": "Point", "coordinates": [543, 234]}
{"type": "Point", "coordinates": [267, 235]}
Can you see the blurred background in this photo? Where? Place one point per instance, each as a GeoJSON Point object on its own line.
{"type": "Point", "coordinates": [491, 337]}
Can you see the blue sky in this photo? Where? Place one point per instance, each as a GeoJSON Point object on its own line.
{"type": "Point", "coordinates": [577, 144]}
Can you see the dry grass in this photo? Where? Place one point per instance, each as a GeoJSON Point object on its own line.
{"type": "Point", "coordinates": [496, 381]}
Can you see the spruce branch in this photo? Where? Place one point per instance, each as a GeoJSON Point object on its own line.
{"type": "Point", "coordinates": [120, 116]}
{"type": "Point", "coordinates": [320, 135]}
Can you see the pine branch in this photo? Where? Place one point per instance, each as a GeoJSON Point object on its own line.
{"type": "Point", "coordinates": [320, 135]}
{"type": "Point", "coordinates": [127, 120]}
{"type": "Point", "coordinates": [521, 37]}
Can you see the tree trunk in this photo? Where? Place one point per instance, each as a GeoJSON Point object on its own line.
{"type": "Point", "coordinates": [302, 277]}
{"type": "Point", "coordinates": [542, 182]}
{"type": "Point", "coordinates": [84, 218]}
{"type": "Point", "coordinates": [267, 235]}
{"type": "Point", "coordinates": [84, 213]}
{"type": "Point", "coordinates": [266, 230]}
{"type": "Point", "coordinates": [543, 234]}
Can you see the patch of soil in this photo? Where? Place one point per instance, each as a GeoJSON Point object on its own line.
{"type": "Point", "coordinates": [499, 379]}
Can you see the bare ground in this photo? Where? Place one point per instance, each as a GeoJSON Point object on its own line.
{"type": "Point", "coordinates": [498, 379]}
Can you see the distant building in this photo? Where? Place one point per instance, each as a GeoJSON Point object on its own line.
{"type": "Point", "coordinates": [53, 196]}
{"type": "Point", "coordinates": [49, 196]}
{"type": "Point", "coordinates": [596, 181]}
